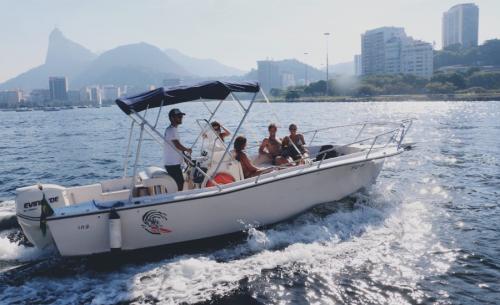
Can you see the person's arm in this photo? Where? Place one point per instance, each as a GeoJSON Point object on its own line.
{"type": "Point", "coordinates": [285, 142]}
{"type": "Point", "coordinates": [225, 132]}
{"type": "Point", "coordinates": [303, 143]}
{"type": "Point", "coordinates": [181, 147]}
{"type": "Point", "coordinates": [263, 146]}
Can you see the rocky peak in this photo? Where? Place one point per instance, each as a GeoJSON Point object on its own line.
{"type": "Point", "coordinates": [63, 51]}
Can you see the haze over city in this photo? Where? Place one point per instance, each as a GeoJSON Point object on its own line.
{"type": "Point", "coordinates": [236, 33]}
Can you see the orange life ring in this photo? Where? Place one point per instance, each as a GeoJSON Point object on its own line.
{"type": "Point", "coordinates": [221, 178]}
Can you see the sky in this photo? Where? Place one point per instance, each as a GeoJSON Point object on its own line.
{"type": "Point", "coordinates": [234, 32]}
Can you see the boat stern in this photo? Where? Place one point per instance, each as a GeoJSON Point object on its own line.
{"type": "Point", "coordinates": [28, 211]}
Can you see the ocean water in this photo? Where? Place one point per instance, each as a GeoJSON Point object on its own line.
{"type": "Point", "coordinates": [428, 232]}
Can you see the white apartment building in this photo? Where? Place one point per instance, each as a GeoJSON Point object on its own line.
{"type": "Point", "coordinates": [388, 50]}
{"type": "Point", "coordinates": [10, 98]}
{"type": "Point", "coordinates": [110, 93]}
{"type": "Point", "coordinates": [461, 25]}
{"type": "Point", "coordinates": [417, 58]}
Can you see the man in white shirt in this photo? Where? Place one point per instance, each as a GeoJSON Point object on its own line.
{"type": "Point", "coordinates": [173, 149]}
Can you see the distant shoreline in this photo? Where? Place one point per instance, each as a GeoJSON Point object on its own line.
{"type": "Point", "coordinates": [345, 99]}
{"type": "Point", "coordinates": [395, 98]}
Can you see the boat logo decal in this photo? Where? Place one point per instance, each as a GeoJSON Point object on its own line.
{"type": "Point", "coordinates": [34, 204]}
{"type": "Point", "coordinates": [155, 222]}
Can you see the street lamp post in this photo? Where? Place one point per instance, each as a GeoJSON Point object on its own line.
{"type": "Point", "coordinates": [305, 65]}
{"type": "Point", "coordinates": [326, 35]}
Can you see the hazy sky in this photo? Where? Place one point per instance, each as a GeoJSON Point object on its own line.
{"type": "Point", "coordinates": [234, 32]}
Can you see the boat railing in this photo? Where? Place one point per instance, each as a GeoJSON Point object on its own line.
{"type": "Point", "coordinates": [395, 136]}
{"type": "Point", "coordinates": [373, 139]}
{"type": "Point", "coordinates": [363, 128]}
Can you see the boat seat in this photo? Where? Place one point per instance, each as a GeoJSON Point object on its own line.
{"type": "Point", "coordinates": [116, 184]}
{"type": "Point", "coordinates": [84, 193]}
{"type": "Point", "coordinates": [157, 181]}
{"type": "Point", "coordinates": [160, 185]}
{"type": "Point", "coordinates": [115, 195]}
{"type": "Point", "coordinates": [152, 172]}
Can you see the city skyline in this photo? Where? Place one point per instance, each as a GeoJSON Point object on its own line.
{"type": "Point", "coordinates": [235, 33]}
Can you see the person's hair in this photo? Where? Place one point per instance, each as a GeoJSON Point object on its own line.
{"type": "Point", "coordinates": [271, 126]}
{"type": "Point", "coordinates": [292, 126]}
{"type": "Point", "coordinates": [215, 124]}
{"type": "Point", "coordinates": [239, 144]}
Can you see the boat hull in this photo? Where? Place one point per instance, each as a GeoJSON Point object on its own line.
{"type": "Point", "coordinates": [218, 213]}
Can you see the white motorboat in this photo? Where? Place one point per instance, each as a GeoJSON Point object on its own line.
{"type": "Point", "coordinates": [146, 210]}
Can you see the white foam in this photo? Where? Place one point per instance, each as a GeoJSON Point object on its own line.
{"type": "Point", "coordinates": [7, 209]}
{"type": "Point", "coordinates": [394, 236]}
{"type": "Point", "coordinates": [14, 252]}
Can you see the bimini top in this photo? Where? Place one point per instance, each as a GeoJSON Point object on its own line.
{"type": "Point", "coordinates": [214, 90]}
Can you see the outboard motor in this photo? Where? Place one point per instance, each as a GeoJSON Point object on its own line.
{"type": "Point", "coordinates": [28, 210]}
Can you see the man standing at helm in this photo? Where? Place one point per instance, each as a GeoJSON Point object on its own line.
{"type": "Point", "coordinates": [173, 149]}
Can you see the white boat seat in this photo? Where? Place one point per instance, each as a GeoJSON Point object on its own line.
{"type": "Point", "coordinates": [116, 184]}
{"type": "Point", "coordinates": [162, 185]}
{"type": "Point", "coordinates": [84, 193]}
{"type": "Point", "coordinates": [156, 172]}
{"type": "Point", "coordinates": [115, 195]}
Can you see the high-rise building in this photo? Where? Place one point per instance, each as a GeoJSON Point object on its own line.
{"type": "Point", "coordinates": [417, 58]}
{"type": "Point", "coordinates": [287, 80]}
{"type": "Point", "coordinates": [460, 25]}
{"type": "Point", "coordinates": [39, 96]}
{"type": "Point", "coordinates": [74, 96]}
{"type": "Point", "coordinates": [10, 98]}
{"type": "Point", "coordinates": [85, 94]}
{"type": "Point", "coordinates": [95, 96]}
{"type": "Point", "coordinates": [388, 50]}
{"type": "Point", "coordinates": [357, 65]}
{"type": "Point", "coordinates": [268, 74]}
{"type": "Point", "coordinates": [110, 93]}
{"type": "Point", "coordinates": [58, 87]}
{"type": "Point", "coordinates": [373, 45]}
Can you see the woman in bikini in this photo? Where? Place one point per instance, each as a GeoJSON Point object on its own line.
{"type": "Point", "coordinates": [249, 170]}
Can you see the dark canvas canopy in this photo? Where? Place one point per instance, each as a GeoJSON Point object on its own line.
{"type": "Point", "coordinates": [215, 90]}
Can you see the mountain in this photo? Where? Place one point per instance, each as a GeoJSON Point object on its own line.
{"type": "Point", "coordinates": [137, 64]}
{"type": "Point", "coordinates": [202, 67]}
{"type": "Point", "coordinates": [295, 67]}
{"type": "Point", "coordinates": [63, 52]}
{"type": "Point", "coordinates": [64, 58]}
{"type": "Point", "coordinates": [343, 68]}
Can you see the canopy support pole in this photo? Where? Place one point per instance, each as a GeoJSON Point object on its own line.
{"type": "Point", "coordinates": [137, 154]}
{"type": "Point", "coordinates": [159, 111]}
{"type": "Point", "coordinates": [242, 110]}
{"type": "Point", "coordinates": [146, 123]}
{"type": "Point", "coordinates": [237, 100]}
{"type": "Point", "coordinates": [212, 114]}
{"type": "Point", "coordinates": [278, 121]}
{"type": "Point", "coordinates": [125, 162]}
{"type": "Point", "coordinates": [234, 135]}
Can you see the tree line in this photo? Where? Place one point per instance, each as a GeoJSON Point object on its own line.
{"type": "Point", "coordinates": [470, 81]}
{"type": "Point", "coordinates": [475, 79]}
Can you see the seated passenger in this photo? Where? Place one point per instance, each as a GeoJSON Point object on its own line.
{"type": "Point", "coordinates": [221, 131]}
{"type": "Point", "coordinates": [271, 147]}
{"type": "Point", "coordinates": [249, 170]}
{"type": "Point", "coordinates": [297, 150]}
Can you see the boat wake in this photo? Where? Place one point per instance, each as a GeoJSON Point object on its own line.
{"type": "Point", "coordinates": [337, 250]}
